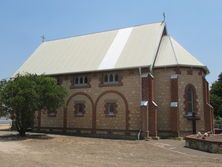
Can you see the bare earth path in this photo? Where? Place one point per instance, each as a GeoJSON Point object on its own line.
{"type": "Point", "coordinates": [70, 151]}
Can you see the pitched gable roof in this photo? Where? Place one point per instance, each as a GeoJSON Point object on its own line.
{"type": "Point", "coordinates": [171, 53]}
{"type": "Point", "coordinates": [118, 49]}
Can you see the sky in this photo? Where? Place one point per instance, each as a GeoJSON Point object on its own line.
{"type": "Point", "coordinates": [195, 24]}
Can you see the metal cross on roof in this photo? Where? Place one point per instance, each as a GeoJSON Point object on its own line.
{"type": "Point", "coordinates": [43, 38]}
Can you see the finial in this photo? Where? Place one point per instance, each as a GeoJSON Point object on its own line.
{"type": "Point", "coordinates": [164, 17]}
{"type": "Point", "coordinates": [43, 38]}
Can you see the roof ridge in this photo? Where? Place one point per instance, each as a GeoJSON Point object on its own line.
{"type": "Point", "coordinates": [174, 52]}
{"type": "Point", "coordinates": [103, 31]}
{"type": "Point", "coordinates": [158, 47]}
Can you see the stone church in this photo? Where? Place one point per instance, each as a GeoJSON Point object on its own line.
{"type": "Point", "coordinates": [130, 81]}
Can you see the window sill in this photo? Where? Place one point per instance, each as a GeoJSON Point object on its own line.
{"type": "Point", "coordinates": [79, 86]}
{"type": "Point", "coordinates": [190, 117]}
{"type": "Point", "coordinates": [110, 115]}
{"type": "Point", "coordinates": [52, 115]}
{"type": "Point", "coordinates": [110, 84]}
{"type": "Point", "coordinates": [79, 115]}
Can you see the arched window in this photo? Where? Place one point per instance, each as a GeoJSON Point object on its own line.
{"type": "Point", "coordinates": [76, 80]}
{"type": "Point", "coordinates": [111, 77]}
{"type": "Point", "coordinates": [79, 109]}
{"type": "Point", "coordinates": [80, 81]}
{"type": "Point", "coordinates": [106, 78]}
{"type": "Point", "coordinates": [116, 78]}
{"type": "Point", "coordinates": [190, 100]}
{"type": "Point", "coordinates": [110, 109]}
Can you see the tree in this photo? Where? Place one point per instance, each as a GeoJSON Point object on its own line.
{"type": "Point", "coordinates": [216, 96]}
{"type": "Point", "coordinates": [23, 95]}
{"type": "Point", "coordinates": [2, 85]}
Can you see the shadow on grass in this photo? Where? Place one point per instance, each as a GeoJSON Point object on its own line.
{"type": "Point", "coordinates": [15, 137]}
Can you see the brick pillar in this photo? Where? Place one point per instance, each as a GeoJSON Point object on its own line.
{"type": "Point", "coordinates": [145, 130]}
{"type": "Point", "coordinates": [64, 119]}
{"type": "Point", "coordinates": [208, 110]}
{"type": "Point", "coordinates": [152, 116]}
{"type": "Point", "coordinates": [39, 119]}
{"type": "Point", "coordinates": [174, 111]}
{"type": "Point", "coordinates": [94, 120]}
{"type": "Point", "coordinates": [144, 109]}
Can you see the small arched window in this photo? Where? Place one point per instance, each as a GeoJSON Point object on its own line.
{"type": "Point", "coordinates": [106, 78]}
{"type": "Point", "coordinates": [116, 78]}
{"type": "Point", "coordinates": [190, 100]}
{"type": "Point", "coordinates": [111, 77]}
{"type": "Point", "coordinates": [79, 109]}
{"type": "Point", "coordinates": [110, 109]}
{"type": "Point", "coordinates": [80, 80]}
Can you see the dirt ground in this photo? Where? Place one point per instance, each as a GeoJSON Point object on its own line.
{"type": "Point", "coordinates": [70, 151]}
{"type": "Point", "coordinates": [4, 126]}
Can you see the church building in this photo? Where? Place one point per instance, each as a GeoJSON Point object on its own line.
{"type": "Point", "coordinates": [130, 81]}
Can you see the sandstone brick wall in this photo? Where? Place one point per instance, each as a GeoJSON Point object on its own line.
{"type": "Point", "coordinates": [162, 91]}
{"type": "Point", "coordinates": [109, 122]}
{"type": "Point", "coordinates": [196, 80]}
{"type": "Point", "coordinates": [128, 95]}
{"type": "Point", "coordinates": [56, 121]}
{"type": "Point", "coordinates": [163, 97]}
{"type": "Point", "coordinates": [130, 90]}
{"type": "Point", "coordinates": [84, 121]}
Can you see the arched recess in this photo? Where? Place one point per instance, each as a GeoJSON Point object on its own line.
{"type": "Point", "coordinates": [125, 103]}
{"type": "Point", "coordinates": [68, 101]}
{"type": "Point", "coordinates": [190, 100]}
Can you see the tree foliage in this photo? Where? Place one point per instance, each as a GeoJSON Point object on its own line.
{"type": "Point", "coordinates": [22, 96]}
{"type": "Point", "coordinates": [216, 96]}
{"type": "Point", "coordinates": [2, 85]}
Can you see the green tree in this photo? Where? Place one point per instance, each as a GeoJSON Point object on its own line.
{"type": "Point", "coordinates": [2, 85]}
{"type": "Point", "coordinates": [216, 96]}
{"type": "Point", "coordinates": [22, 96]}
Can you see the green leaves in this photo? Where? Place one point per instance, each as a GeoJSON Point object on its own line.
{"type": "Point", "coordinates": [216, 96]}
{"type": "Point", "coordinates": [2, 86]}
{"type": "Point", "coordinates": [51, 95]}
{"type": "Point", "coordinates": [24, 95]}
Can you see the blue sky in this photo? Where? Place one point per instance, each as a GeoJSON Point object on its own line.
{"type": "Point", "coordinates": [195, 24]}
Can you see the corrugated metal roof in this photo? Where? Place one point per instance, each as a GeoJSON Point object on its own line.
{"type": "Point", "coordinates": [171, 53]}
{"type": "Point", "coordinates": [118, 49]}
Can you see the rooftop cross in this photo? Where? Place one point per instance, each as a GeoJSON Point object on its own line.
{"type": "Point", "coordinates": [43, 38]}
{"type": "Point", "coordinates": [164, 17]}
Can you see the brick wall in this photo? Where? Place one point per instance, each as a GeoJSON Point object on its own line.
{"type": "Point", "coordinates": [162, 97]}
{"type": "Point", "coordinates": [84, 121]}
{"type": "Point", "coordinates": [111, 122]}
{"type": "Point", "coordinates": [196, 80]}
{"type": "Point", "coordinates": [126, 95]}
{"type": "Point", "coordinates": [56, 121]}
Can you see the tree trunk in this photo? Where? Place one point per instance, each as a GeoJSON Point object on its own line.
{"type": "Point", "coordinates": [19, 128]}
{"type": "Point", "coordinates": [22, 133]}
